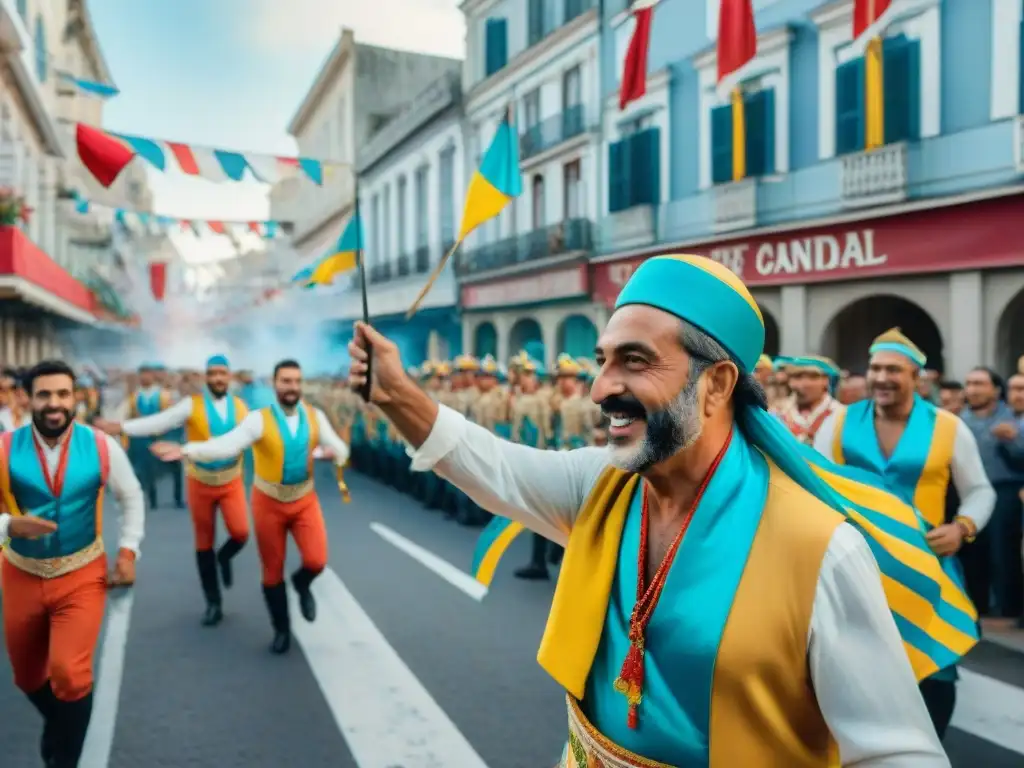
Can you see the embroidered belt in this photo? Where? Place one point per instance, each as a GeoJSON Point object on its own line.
{"type": "Point", "coordinates": [588, 748]}
{"type": "Point", "coordinates": [213, 477]}
{"type": "Point", "coordinates": [52, 567]}
{"type": "Point", "coordinates": [281, 492]}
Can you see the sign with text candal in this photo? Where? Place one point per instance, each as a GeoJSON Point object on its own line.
{"type": "Point", "coordinates": [543, 286]}
{"type": "Point", "coordinates": [979, 235]}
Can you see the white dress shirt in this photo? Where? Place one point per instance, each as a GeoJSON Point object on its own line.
{"type": "Point", "coordinates": [171, 418]}
{"type": "Point", "coordinates": [862, 678]}
{"type": "Point", "coordinates": [977, 498]}
{"type": "Point", "coordinates": [121, 481]}
{"type": "Point", "coordinates": [251, 429]}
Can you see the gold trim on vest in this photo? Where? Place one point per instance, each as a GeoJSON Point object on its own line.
{"type": "Point", "coordinates": [214, 477]}
{"type": "Point", "coordinates": [589, 748]}
{"type": "Point", "coordinates": [281, 492]}
{"type": "Point", "coordinates": [52, 567]}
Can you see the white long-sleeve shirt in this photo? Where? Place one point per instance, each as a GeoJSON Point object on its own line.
{"type": "Point", "coordinates": [977, 498]}
{"type": "Point", "coordinates": [172, 418]}
{"type": "Point", "coordinates": [251, 429]}
{"type": "Point", "coordinates": [121, 481]}
{"type": "Point", "coordinates": [7, 420]}
{"type": "Point", "coordinates": [862, 678]}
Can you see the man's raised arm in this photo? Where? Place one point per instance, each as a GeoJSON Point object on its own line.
{"type": "Point", "coordinates": [228, 445]}
{"type": "Point", "coordinates": [157, 424]}
{"type": "Point", "coordinates": [543, 490]}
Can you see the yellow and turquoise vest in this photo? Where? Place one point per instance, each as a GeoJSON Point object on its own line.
{"type": "Point", "coordinates": [78, 511]}
{"type": "Point", "coordinates": [918, 471]}
{"type": "Point", "coordinates": [281, 458]}
{"type": "Point", "coordinates": [726, 674]}
{"type": "Point", "coordinates": [205, 423]}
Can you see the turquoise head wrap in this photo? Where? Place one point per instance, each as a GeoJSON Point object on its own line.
{"type": "Point", "coordinates": [217, 361]}
{"type": "Point", "coordinates": [893, 340]}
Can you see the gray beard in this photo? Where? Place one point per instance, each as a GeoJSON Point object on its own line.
{"type": "Point", "coordinates": [669, 431]}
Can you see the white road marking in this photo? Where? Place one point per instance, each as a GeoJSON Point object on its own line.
{"type": "Point", "coordinates": [106, 698]}
{"type": "Point", "coordinates": [384, 713]}
{"type": "Point", "coordinates": [458, 579]}
{"type": "Point", "coordinates": [990, 709]}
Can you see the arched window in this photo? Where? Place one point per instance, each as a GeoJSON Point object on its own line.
{"type": "Point", "coordinates": [23, 10]}
{"type": "Point", "coordinates": [42, 57]}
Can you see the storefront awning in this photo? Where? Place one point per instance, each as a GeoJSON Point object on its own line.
{"type": "Point", "coordinates": [28, 274]}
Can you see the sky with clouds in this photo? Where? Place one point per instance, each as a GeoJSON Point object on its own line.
{"type": "Point", "coordinates": [231, 73]}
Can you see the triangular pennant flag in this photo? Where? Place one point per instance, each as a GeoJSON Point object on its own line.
{"type": "Point", "coordinates": [101, 153]}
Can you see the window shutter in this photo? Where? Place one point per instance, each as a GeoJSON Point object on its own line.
{"type": "Point", "coordinates": [617, 176]}
{"type": "Point", "coordinates": [902, 79]}
{"type": "Point", "coordinates": [1020, 69]}
{"type": "Point", "coordinates": [850, 107]}
{"type": "Point", "coordinates": [496, 44]}
{"type": "Point", "coordinates": [644, 167]}
{"type": "Point", "coordinates": [759, 108]}
{"type": "Point", "coordinates": [501, 36]}
{"type": "Point", "coordinates": [721, 144]}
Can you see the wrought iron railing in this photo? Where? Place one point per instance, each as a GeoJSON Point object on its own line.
{"type": "Point", "coordinates": [570, 236]}
{"type": "Point", "coordinates": [552, 132]}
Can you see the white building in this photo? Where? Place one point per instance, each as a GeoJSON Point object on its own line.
{"type": "Point", "coordinates": [523, 277]}
{"type": "Point", "coordinates": [358, 89]}
{"type": "Point", "coordinates": [43, 263]}
{"type": "Point", "coordinates": [410, 196]}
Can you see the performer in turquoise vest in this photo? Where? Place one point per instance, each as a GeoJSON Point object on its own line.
{"type": "Point", "coordinates": [149, 399]}
{"type": "Point", "coordinates": [53, 475]}
{"type": "Point", "coordinates": [916, 449]}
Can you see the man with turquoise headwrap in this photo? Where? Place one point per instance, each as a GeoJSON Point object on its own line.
{"type": "Point", "coordinates": [812, 380]}
{"type": "Point", "coordinates": [916, 449]}
{"type": "Point", "coordinates": [148, 400]}
{"type": "Point", "coordinates": [769, 640]}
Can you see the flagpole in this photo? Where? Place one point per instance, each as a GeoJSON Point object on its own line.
{"type": "Point", "coordinates": [365, 389]}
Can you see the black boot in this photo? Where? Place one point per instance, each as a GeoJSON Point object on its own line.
{"type": "Point", "coordinates": [45, 702]}
{"type": "Point", "coordinates": [71, 722]}
{"type": "Point", "coordinates": [277, 604]}
{"type": "Point", "coordinates": [228, 550]}
{"type": "Point", "coordinates": [301, 580]}
{"type": "Point", "coordinates": [206, 561]}
{"type": "Point", "coordinates": [537, 570]}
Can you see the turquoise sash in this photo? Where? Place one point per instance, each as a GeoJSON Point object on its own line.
{"type": "Point", "coordinates": [901, 472]}
{"type": "Point", "coordinates": [503, 430]}
{"type": "Point", "coordinates": [147, 403]}
{"type": "Point", "coordinates": [687, 625]}
{"type": "Point", "coordinates": [218, 427]}
{"type": "Point", "coordinates": [296, 447]}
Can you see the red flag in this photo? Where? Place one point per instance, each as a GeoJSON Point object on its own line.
{"type": "Point", "coordinates": [216, 227]}
{"type": "Point", "coordinates": [101, 153]}
{"type": "Point", "coordinates": [866, 13]}
{"type": "Point", "coordinates": [737, 36]}
{"type": "Point", "coordinates": [158, 279]}
{"type": "Point", "coordinates": [634, 70]}
{"type": "Point", "coordinates": [254, 227]}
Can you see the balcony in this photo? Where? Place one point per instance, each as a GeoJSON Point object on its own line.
{"type": "Point", "coordinates": [567, 237]}
{"type": "Point", "coordinates": [380, 273]}
{"type": "Point", "coordinates": [551, 132]}
{"type": "Point", "coordinates": [422, 259]}
{"type": "Point", "coordinates": [735, 205]}
{"type": "Point", "coordinates": [635, 227]}
{"type": "Point", "coordinates": [875, 177]}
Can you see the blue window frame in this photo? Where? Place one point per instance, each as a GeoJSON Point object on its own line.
{"type": "Point", "coordinates": [42, 56]}
{"type": "Point", "coordinates": [759, 114]}
{"type": "Point", "coordinates": [496, 45]}
{"type": "Point", "coordinates": [634, 170]}
{"type": "Point", "coordinates": [901, 78]}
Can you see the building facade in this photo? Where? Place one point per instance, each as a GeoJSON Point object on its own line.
{"type": "Point", "coordinates": [55, 269]}
{"type": "Point", "coordinates": [523, 277]}
{"type": "Point", "coordinates": [837, 243]}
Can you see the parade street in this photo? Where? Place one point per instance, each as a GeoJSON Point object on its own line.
{"type": "Point", "coordinates": [408, 665]}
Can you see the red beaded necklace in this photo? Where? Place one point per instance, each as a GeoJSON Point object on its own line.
{"type": "Point", "coordinates": [630, 682]}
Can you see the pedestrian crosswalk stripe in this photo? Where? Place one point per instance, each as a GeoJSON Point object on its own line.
{"type": "Point", "coordinates": [100, 738]}
{"type": "Point", "coordinates": [383, 711]}
{"type": "Point", "coordinates": [458, 579]}
{"type": "Point", "coordinates": [990, 709]}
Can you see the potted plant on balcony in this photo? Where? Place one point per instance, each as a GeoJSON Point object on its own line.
{"type": "Point", "coordinates": [13, 210]}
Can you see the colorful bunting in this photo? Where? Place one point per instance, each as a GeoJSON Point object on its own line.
{"type": "Point", "coordinates": [151, 223]}
{"type": "Point", "coordinates": [106, 155]}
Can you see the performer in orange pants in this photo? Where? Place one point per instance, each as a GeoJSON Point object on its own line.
{"type": "Point", "coordinates": [285, 438]}
{"type": "Point", "coordinates": [54, 585]}
{"type": "Point", "coordinates": [211, 485]}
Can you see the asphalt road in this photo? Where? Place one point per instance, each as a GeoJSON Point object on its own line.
{"type": "Point", "coordinates": [405, 667]}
